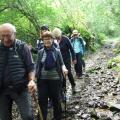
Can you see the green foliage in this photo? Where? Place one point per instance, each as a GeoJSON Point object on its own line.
{"type": "Point", "coordinates": [114, 63]}
{"type": "Point", "coordinates": [100, 38]}
{"type": "Point", "coordinates": [94, 19]}
{"type": "Point", "coordinates": [117, 49]}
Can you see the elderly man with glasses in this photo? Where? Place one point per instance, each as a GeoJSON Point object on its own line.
{"type": "Point", "coordinates": [16, 74]}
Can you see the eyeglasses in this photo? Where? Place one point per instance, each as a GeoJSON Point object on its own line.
{"type": "Point", "coordinates": [47, 39]}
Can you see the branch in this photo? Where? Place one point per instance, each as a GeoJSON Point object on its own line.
{"type": "Point", "coordinates": [3, 8]}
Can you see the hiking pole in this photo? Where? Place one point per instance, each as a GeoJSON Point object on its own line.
{"type": "Point", "coordinates": [38, 107]}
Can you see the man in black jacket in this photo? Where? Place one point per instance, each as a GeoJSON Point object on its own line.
{"type": "Point", "coordinates": [16, 74]}
{"type": "Point", "coordinates": [66, 51]}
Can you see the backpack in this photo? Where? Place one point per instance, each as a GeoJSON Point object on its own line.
{"type": "Point", "coordinates": [83, 43]}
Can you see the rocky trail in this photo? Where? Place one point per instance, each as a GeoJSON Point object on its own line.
{"type": "Point", "coordinates": [98, 92]}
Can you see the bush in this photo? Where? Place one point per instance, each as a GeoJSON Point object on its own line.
{"type": "Point", "coordinates": [114, 63]}
{"type": "Point", "coordinates": [100, 38]}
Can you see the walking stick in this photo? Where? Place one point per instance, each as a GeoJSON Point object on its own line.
{"type": "Point", "coordinates": [38, 107]}
{"type": "Point", "coordinates": [65, 76]}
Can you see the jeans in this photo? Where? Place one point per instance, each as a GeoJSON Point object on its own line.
{"type": "Point", "coordinates": [23, 101]}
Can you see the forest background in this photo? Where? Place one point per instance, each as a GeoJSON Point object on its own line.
{"type": "Point", "coordinates": [95, 19]}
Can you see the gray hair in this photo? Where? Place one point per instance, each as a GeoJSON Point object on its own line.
{"type": "Point", "coordinates": [8, 25]}
{"type": "Point", "coordinates": [56, 32]}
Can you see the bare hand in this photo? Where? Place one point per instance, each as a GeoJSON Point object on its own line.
{"type": "Point", "coordinates": [65, 72]}
{"type": "Point", "coordinates": [32, 87]}
{"type": "Point", "coordinates": [74, 61]}
{"type": "Point", "coordinates": [30, 47]}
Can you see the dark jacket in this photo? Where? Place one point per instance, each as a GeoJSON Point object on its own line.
{"type": "Point", "coordinates": [13, 67]}
{"type": "Point", "coordinates": [66, 49]}
{"type": "Point", "coordinates": [59, 62]}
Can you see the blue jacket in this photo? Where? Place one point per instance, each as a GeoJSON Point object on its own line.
{"type": "Point", "coordinates": [81, 42]}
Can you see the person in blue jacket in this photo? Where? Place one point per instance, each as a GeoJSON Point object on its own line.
{"type": "Point", "coordinates": [79, 47]}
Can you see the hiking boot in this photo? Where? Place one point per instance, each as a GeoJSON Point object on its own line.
{"type": "Point", "coordinates": [73, 90]}
{"type": "Point", "coordinates": [50, 104]}
{"type": "Point", "coordinates": [78, 77]}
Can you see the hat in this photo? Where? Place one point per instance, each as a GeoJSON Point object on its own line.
{"type": "Point", "coordinates": [44, 27]}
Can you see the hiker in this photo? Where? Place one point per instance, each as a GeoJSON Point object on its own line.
{"type": "Point", "coordinates": [39, 43]}
{"type": "Point", "coordinates": [16, 74]}
{"type": "Point", "coordinates": [39, 46]}
{"type": "Point", "coordinates": [49, 72]}
{"type": "Point", "coordinates": [79, 47]}
{"type": "Point", "coordinates": [67, 51]}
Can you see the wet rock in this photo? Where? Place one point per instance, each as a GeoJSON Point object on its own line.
{"type": "Point", "coordinates": [114, 107]}
{"type": "Point", "coordinates": [105, 115]}
{"type": "Point", "coordinates": [102, 71]}
{"type": "Point", "coordinates": [94, 114]}
{"type": "Point", "coordinates": [114, 93]}
{"type": "Point", "coordinates": [118, 89]}
{"type": "Point", "coordinates": [98, 68]}
{"type": "Point", "coordinates": [101, 95]}
{"type": "Point", "coordinates": [96, 98]}
{"type": "Point", "coordinates": [77, 107]}
{"type": "Point", "coordinates": [96, 72]}
{"type": "Point", "coordinates": [104, 91]}
{"type": "Point", "coordinates": [99, 82]}
{"type": "Point", "coordinates": [116, 117]}
{"type": "Point", "coordinates": [87, 75]}
{"type": "Point", "coordinates": [85, 116]}
{"type": "Point", "coordinates": [103, 105]}
{"type": "Point", "coordinates": [92, 104]}
{"type": "Point", "coordinates": [79, 114]}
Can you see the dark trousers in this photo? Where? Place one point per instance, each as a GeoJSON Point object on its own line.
{"type": "Point", "coordinates": [67, 63]}
{"type": "Point", "coordinates": [80, 64]}
{"type": "Point", "coordinates": [23, 101]}
{"type": "Point", "coordinates": [50, 89]}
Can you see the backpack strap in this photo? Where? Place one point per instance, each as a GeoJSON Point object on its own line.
{"type": "Point", "coordinates": [19, 49]}
{"type": "Point", "coordinates": [38, 64]}
{"type": "Point", "coordinates": [82, 43]}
